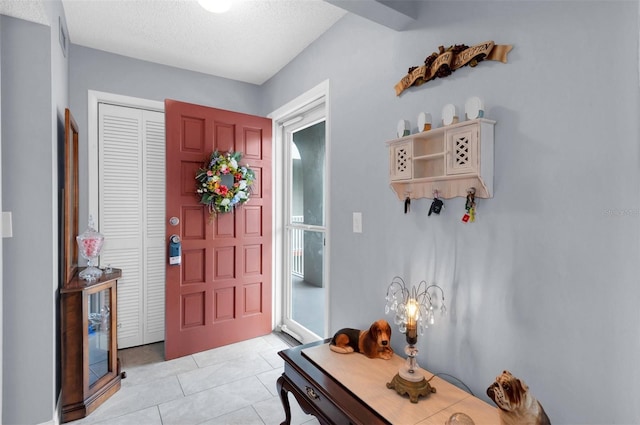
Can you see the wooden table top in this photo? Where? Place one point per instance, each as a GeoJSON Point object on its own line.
{"type": "Point", "coordinates": [76, 284]}
{"type": "Point", "coordinates": [367, 379]}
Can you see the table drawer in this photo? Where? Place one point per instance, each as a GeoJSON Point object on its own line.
{"type": "Point", "coordinates": [320, 400]}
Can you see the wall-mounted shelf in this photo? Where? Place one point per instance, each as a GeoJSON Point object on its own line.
{"type": "Point", "coordinates": [448, 160]}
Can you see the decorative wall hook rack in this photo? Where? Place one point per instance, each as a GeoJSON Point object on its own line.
{"type": "Point", "coordinates": [447, 159]}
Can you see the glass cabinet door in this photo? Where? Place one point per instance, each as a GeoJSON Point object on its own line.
{"type": "Point", "coordinates": [99, 322]}
{"type": "Point", "coordinates": [90, 372]}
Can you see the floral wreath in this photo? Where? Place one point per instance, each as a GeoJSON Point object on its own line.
{"type": "Point", "coordinates": [223, 184]}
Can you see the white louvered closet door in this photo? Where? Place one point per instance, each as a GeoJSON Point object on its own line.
{"type": "Point", "coordinates": [131, 145]}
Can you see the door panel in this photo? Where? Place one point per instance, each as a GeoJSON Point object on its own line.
{"type": "Point", "coordinates": [221, 293]}
{"type": "Point", "coordinates": [131, 172]}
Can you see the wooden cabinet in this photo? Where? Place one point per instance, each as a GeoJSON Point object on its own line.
{"type": "Point", "coordinates": [90, 369]}
{"type": "Point", "coordinates": [448, 160]}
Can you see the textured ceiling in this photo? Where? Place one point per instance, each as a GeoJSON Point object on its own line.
{"type": "Point", "coordinates": [249, 43]}
{"type": "Point", "coordinates": [29, 10]}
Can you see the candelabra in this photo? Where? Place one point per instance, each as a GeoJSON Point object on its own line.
{"type": "Point", "coordinates": [413, 312]}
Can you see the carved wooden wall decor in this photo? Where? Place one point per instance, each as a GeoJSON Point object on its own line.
{"type": "Point", "coordinates": [445, 61]}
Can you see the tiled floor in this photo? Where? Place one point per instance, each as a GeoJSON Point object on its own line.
{"type": "Point", "coordinates": [234, 384]}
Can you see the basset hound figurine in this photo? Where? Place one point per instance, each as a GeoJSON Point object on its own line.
{"type": "Point", "coordinates": [373, 343]}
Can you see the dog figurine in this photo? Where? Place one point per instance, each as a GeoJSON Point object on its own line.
{"type": "Point", "coordinates": [373, 343]}
{"type": "Point", "coordinates": [516, 405]}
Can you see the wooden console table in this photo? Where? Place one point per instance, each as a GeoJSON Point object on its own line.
{"type": "Point", "coordinates": [351, 389]}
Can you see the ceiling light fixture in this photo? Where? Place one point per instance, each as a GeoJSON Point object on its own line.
{"type": "Point", "coordinates": [215, 6]}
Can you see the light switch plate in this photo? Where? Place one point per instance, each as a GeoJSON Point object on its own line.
{"type": "Point", "coordinates": [357, 222]}
{"type": "Point", "coordinates": [7, 225]}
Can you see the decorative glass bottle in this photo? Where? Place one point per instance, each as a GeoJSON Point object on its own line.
{"type": "Point", "coordinates": [90, 244]}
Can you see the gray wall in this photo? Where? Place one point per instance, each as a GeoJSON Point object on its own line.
{"type": "Point", "coordinates": [35, 94]}
{"type": "Point", "coordinates": [30, 191]}
{"type": "Point", "coordinates": [1, 245]}
{"type": "Point", "coordinates": [545, 282]}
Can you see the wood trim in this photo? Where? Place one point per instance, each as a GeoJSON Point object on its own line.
{"type": "Point", "coordinates": [71, 194]}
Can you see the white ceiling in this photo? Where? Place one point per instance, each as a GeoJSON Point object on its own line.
{"type": "Point", "coordinates": [250, 43]}
{"type": "Point", "coordinates": [30, 10]}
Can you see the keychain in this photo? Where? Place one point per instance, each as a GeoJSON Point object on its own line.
{"type": "Point", "coordinates": [407, 205]}
{"type": "Point", "coordinates": [470, 206]}
{"type": "Point", "coordinates": [437, 204]}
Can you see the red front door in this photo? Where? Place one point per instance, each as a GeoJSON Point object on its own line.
{"type": "Point", "coordinates": [221, 291]}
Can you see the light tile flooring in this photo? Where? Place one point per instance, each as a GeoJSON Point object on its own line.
{"type": "Point", "coordinates": [234, 384]}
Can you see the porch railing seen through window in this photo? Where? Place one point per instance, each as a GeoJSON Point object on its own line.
{"type": "Point", "coordinates": [297, 247]}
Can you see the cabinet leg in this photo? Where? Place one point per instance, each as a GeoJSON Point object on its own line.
{"type": "Point", "coordinates": [121, 372]}
{"type": "Point", "coordinates": [280, 385]}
